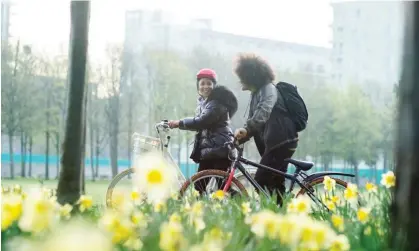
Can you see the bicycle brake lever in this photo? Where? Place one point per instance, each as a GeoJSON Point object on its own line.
{"type": "Point", "coordinates": [229, 145]}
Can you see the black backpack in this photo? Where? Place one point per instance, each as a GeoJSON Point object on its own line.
{"type": "Point", "coordinates": [295, 104]}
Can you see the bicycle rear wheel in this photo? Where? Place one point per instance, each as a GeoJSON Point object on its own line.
{"type": "Point", "coordinates": [316, 186]}
{"type": "Point", "coordinates": [319, 182]}
{"type": "Point", "coordinates": [213, 176]}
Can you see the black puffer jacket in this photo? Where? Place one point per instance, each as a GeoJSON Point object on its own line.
{"type": "Point", "coordinates": [212, 122]}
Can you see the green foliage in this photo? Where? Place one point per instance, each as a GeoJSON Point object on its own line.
{"type": "Point", "coordinates": [352, 123]}
{"type": "Point", "coordinates": [226, 215]}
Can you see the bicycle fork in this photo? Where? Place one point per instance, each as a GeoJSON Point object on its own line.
{"type": "Point", "coordinates": [230, 178]}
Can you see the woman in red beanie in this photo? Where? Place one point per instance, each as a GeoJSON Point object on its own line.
{"type": "Point", "coordinates": [216, 106]}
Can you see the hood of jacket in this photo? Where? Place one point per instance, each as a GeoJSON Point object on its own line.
{"type": "Point", "coordinates": [226, 97]}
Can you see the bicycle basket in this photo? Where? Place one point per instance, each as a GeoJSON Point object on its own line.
{"type": "Point", "coordinates": [142, 143]}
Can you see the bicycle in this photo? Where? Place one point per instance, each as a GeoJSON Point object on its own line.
{"type": "Point", "coordinates": [143, 144]}
{"type": "Point", "coordinates": [307, 182]}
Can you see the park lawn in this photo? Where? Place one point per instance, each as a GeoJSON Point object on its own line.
{"type": "Point", "coordinates": [358, 220]}
{"type": "Point", "coordinates": [191, 224]}
{"type": "Point", "coordinates": [97, 189]}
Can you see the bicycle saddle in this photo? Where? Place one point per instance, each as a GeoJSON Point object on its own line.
{"type": "Point", "coordinates": [303, 165]}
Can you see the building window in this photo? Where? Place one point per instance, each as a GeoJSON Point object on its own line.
{"type": "Point", "coordinates": [309, 67]}
{"type": "Point", "coordinates": [157, 17]}
{"type": "Point", "coordinates": [320, 69]}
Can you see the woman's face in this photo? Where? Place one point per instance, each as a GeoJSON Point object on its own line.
{"type": "Point", "coordinates": [244, 86]}
{"type": "Point", "coordinates": [205, 87]}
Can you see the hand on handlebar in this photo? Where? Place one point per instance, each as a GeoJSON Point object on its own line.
{"type": "Point", "coordinates": [240, 133]}
{"type": "Point", "coordinates": [173, 123]}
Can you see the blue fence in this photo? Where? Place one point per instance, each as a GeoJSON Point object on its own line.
{"type": "Point", "coordinates": [188, 169]}
{"type": "Point", "coordinates": [53, 159]}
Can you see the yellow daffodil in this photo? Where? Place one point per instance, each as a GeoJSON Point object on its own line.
{"type": "Point", "coordinates": [351, 192]}
{"type": "Point", "coordinates": [371, 187]}
{"type": "Point", "coordinates": [155, 177]}
{"type": "Point", "coordinates": [338, 222]}
{"type": "Point", "coordinates": [85, 202]}
{"type": "Point", "coordinates": [300, 204]}
{"type": "Point", "coordinates": [11, 209]}
{"type": "Point", "coordinates": [218, 195]}
{"type": "Point", "coordinates": [363, 214]}
{"type": "Point", "coordinates": [388, 179]}
{"type": "Point", "coordinates": [245, 208]}
{"type": "Point", "coordinates": [65, 211]}
{"type": "Point", "coordinates": [329, 183]}
{"type": "Point", "coordinates": [172, 237]}
{"type": "Point", "coordinates": [340, 243]}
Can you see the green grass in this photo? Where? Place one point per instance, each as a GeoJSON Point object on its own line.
{"type": "Point", "coordinates": [96, 189]}
{"type": "Point", "coordinates": [227, 216]}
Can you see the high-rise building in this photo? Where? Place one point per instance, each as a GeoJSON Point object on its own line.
{"type": "Point", "coordinates": [155, 29]}
{"type": "Point", "coordinates": [367, 42]}
{"type": "Point", "coordinates": [5, 20]}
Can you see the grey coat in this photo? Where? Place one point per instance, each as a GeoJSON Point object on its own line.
{"type": "Point", "coordinates": [268, 120]}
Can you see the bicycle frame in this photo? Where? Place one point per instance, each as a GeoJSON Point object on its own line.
{"type": "Point", "coordinates": [237, 164]}
{"type": "Point", "coordinates": [293, 177]}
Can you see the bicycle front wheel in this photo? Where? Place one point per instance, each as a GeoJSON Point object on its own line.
{"type": "Point", "coordinates": [209, 181]}
{"type": "Point", "coordinates": [119, 181]}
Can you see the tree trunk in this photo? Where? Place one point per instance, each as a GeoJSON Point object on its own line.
{"type": "Point", "coordinates": [47, 155]}
{"type": "Point", "coordinates": [356, 173]}
{"type": "Point", "coordinates": [405, 206]}
{"type": "Point", "coordinates": [130, 117]}
{"type": "Point", "coordinates": [70, 184]}
{"type": "Point", "coordinates": [179, 144]}
{"type": "Point", "coordinates": [92, 151]}
{"type": "Point", "coordinates": [114, 130]}
{"type": "Point", "coordinates": [91, 130]}
{"type": "Point", "coordinates": [187, 159]}
{"type": "Point", "coordinates": [83, 143]}
{"type": "Point", "coordinates": [83, 153]}
{"type": "Point", "coordinates": [97, 153]}
{"type": "Point", "coordinates": [113, 147]}
{"type": "Point", "coordinates": [30, 156]}
{"type": "Point", "coordinates": [326, 166]}
{"type": "Point", "coordinates": [47, 133]}
{"type": "Point", "coordinates": [57, 150]}
{"type": "Point", "coordinates": [12, 161]}
{"type": "Point", "coordinates": [23, 154]}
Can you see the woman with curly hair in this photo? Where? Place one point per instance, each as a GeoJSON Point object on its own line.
{"type": "Point", "coordinates": [268, 122]}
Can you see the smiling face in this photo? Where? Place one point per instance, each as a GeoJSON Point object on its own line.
{"type": "Point", "coordinates": [205, 86]}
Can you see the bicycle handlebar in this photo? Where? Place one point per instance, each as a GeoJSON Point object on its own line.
{"type": "Point", "coordinates": [232, 145]}
{"type": "Point", "coordinates": [162, 124]}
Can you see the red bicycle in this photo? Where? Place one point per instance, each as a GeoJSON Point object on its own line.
{"type": "Point", "coordinates": [213, 180]}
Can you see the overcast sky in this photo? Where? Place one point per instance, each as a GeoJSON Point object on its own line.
{"type": "Point", "coordinates": [45, 23]}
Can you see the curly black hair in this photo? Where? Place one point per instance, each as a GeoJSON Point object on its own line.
{"type": "Point", "coordinates": [253, 71]}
